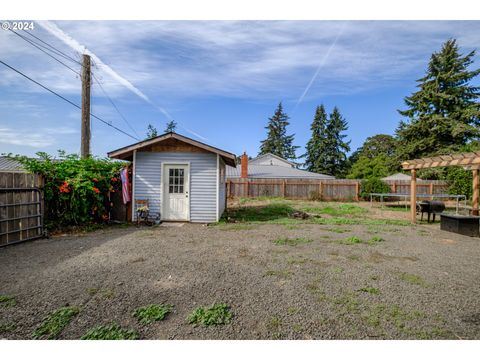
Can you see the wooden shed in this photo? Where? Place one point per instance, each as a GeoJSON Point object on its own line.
{"type": "Point", "coordinates": [182, 179]}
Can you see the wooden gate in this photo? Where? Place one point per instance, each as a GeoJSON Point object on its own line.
{"type": "Point", "coordinates": [21, 207]}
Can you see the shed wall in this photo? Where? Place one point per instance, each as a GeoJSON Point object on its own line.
{"type": "Point", "coordinates": [203, 181]}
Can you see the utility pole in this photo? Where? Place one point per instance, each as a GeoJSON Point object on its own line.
{"type": "Point", "coordinates": [86, 82]}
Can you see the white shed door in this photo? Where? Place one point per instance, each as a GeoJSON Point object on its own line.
{"type": "Point", "coordinates": [175, 192]}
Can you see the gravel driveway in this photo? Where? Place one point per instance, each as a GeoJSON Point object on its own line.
{"type": "Point", "coordinates": [400, 282]}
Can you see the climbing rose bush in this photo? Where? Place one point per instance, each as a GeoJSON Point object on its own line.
{"type": "Point", "coordinates": [76, 191]}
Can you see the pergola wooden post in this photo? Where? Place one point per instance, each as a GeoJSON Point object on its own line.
{"type": "Point", "coordinates": [413, 196]}
{"type": "Point", "coordinates": [469, 161]}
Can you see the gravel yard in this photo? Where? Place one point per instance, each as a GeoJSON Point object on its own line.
{"type": "Point", "coordinates": [281, 280]}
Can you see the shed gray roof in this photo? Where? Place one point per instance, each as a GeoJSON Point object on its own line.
{"type": "Point", "coordinates": [10, 165]}
{"type": "Point", "coordinates": [399, 176]}
{"type": "Point", "coordinates": [274, 172]}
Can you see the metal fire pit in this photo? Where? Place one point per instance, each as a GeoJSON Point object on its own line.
{"type": "Point", "coordinates": [431, 208]}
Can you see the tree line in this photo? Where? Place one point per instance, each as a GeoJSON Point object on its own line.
{"type": "Point", "coordinates": [441, 117]}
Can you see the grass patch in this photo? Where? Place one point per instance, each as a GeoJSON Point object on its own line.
{"type": "Point", "coordinates": [237, 227]}
{"type": "Point", "coordinates": [91, 291]}
{"type": "Point", "coordinates": [337, 230]}
{"type": "Point", "coordinates": [153, 312]}
{"type": "Point", "coordinates": [297, 261]}
{"type": "Point", "coordinates": [375, 239]}
{"type": "Point", "coordinates": [55, 322]}
{"type": "Point", "coordinates": [292, 242]}
{"type": "Point", "coordinates": [351, 240]}
{"type": "Point", "coordinates": [394, 315]}
{"type": "Point", "coordinates": [7, 328]}
{"type": "Point", "coordinates": [337, 210]}
{"type": "Point", "coordinates": [413, 279]}
{"type": "Point", "coordinates": [282, 274]}
{"type": "Point", "coordinates": [275, 210]}
{"type": "Point", "coordinates": [7, 301]}
{"type": "Point", "coordinates": [370, 290]}
{"type": "Point", "coordinates": [292, 310]}
{"type": "Point", "coordinates": [217, 314]}
{"type": "Point", "coordinates": [110, 332]}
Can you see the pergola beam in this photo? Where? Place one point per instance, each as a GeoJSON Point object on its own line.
{"type": "Point", "coordinates": [469, 161]}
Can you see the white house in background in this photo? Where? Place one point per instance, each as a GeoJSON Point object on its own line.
{"type": "Point", "coordinates": [181, 178]}
{"type": "Point", "coordinates": [270, 166]}
{"type": "Point", "coordinates": [398, 177]}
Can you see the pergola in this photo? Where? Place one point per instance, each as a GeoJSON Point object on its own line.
{"type": "Point", "coordinates": [469, 161]}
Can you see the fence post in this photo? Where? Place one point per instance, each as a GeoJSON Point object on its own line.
{"type": "Point", "coordinates": [394, 188]}
{"type": "Point", "coordinates": [246, 189]}
{"type": "Point", "coordinates": [229, 184]}
{"type": "Point", "coordinates": [320, 190]}
{"type": "Point", "coordinates": [284, 188]}
{"type": "Point", "coordinates": [357, 191]}
{"type": "Point", "coordinates": [431, 190]}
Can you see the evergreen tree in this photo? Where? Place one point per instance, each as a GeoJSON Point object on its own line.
{"type": "Point", "coordinates": [277, 141]}
{"type": "Point", "coordinates": [316, 146]}
{"type": "Point", "coordinates": [151, 131]}
{"type": "Point", "coordinates": [443, 112]}
{"type": "Point", "coordinates": [336, 147]}
{"type": "Point", "coordinates": [171, 126]}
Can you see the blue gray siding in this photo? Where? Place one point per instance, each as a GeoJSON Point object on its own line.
{"type": "Point", "coordinates": [222, 193]}
{"type": "Point", "coordinates": [203, 181]}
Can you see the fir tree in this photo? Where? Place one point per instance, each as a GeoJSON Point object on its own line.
{"type": "Point", "coordinates": [277, 141]}
{"type": "Point", "coordinates": [316, 146]}
{"type": "Point", "coordinates": [171, 126]}
{"type": "Point", "coordinates": [443, 113]}
{"type": "Point", "coordinates": [151, 131]}
{"type": "Point", "coordinates": [336, 147]}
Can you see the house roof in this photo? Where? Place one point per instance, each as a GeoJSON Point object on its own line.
{"type": "Point", "coordinates": [398, 176]}
{"type": "Point", "coordinates": [126, 153]}
{"type": "Point", "coordinates": [10, 165]}
{"type": "Point", "coordinates": [260, 157]}
{"type": "Point", "coordinates": [274, 172]}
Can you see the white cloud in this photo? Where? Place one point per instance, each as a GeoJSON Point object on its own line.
{"type": "Point", "coordinates": [37, 138]}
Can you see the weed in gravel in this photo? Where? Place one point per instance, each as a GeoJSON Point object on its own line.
{"type": "Point", "coordinates": [281, 274]}
{"type": "Point", "coordinates": [108, 294]}
{"type": "Point", "coordinates": [292, 242]}
{"type": "Point", "coordinates": [297, 328]}
{"type": "Point", "coordinates": [375, 239]}
{"type": "Point", "coordinates": [217, 314]}
{"type": "Point", "coordinates": [274, 325]}
{"type": "Point", "coordinates": [110, 332]}
{"type": "Point", "coordinates": [337, 270]}
{"type": "Point", "coordinates": [351, 240]}
{"type": "Point", "coordinates": [55, 322]}
{"type": "Point", "coordinates": [91, 291]}
{"type": "Point", "coordinates": [297, 261]}
{"type": "Point", "coordinates": [347, 302]}
{"type": "Point", "coordinates": [432, 333]}
{"type": "Point", "coordinates": [354, 257]}
{"type": "Point", "coordinates": [413, 279]}
{"type": "Point", "coordinates": [393, 315]}
{"type": "Point", "coordinates": [237, 227]}
{"type": "Point", "coordinates": [337, 230]}
{"type": "Point", "coordinates": [7, 328]}
{"type": "Point", "coordinates": [292, 227]}
{"type": "Point", "coordinates": [7, 301]}
{"type": "Point", "coordinates": [153, 312]}
{"type": "Point", "coordinates": [337, 210]}
{"type": "Point", "coordinates": [370, 290]}
{"type": "Point", "coordinates": [292, 310]}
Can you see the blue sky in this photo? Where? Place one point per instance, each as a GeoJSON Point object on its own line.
{"type": "Point", "coordinates": [220, 80]}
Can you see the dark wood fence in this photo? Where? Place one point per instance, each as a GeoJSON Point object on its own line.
{"type": "Point", "coordinates": [21, 207]}
{"type": "Point", "coordinates": [328, 190]}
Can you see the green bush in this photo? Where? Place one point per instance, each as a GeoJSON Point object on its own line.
{"type": "Point", "coordinates": [459, 181]}
{"type": "Point", "coordinates": [76, 191]}
{"type": "Point", "coordinates": [373, 185]}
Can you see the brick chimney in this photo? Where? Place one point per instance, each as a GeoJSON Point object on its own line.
{"type": "Point", "coordinates": [244, 161]}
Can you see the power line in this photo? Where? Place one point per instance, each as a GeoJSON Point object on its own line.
{"type": "Point", "coordinates": [60, 53]}
{"type": "Point", "coordinates": [65, 99]}
{"type": "Point", "coordinates": [53, 48]}
{"type": "Point", "coordinates": [48, 54]}
{"type": "Point", "coordinates": [115, 106]}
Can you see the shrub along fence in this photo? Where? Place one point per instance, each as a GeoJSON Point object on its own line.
{"type": "Point", "coordinates": [327, 190]}
{"type": "Point", "coordinates": [21, 207]}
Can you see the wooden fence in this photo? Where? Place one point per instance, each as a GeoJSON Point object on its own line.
{"type": "Point", "coordinates": [328, 190]}
{"type": "Point", "coordinates": [21, 207]}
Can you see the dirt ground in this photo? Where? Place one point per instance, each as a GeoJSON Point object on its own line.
{"type": "Point", "coordinates": [399, 282]}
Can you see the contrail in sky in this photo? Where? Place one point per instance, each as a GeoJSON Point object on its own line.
{"type": "Point", "coordinates": [321, 65]}
{"type": "Point", "coordinates": [75, 45]}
